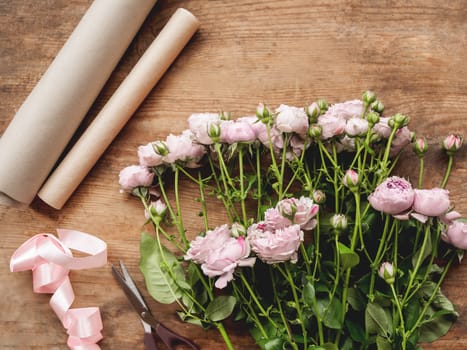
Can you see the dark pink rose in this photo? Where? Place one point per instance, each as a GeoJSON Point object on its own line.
{"type": "Point", "coordinates": [433, 202]}
{"type": "Point", "coordinates": [393, 196]}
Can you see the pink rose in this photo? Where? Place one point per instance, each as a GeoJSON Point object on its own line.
{"type": "Point", "coordinates": [202, 246]}
{"type": "Point", "coordinates": [272, 137]}
{"type": "Point", "coordinates": [345, 143]}
{"type": "Point", "coordinates": [393, 196]}
{"type": "Point", "coordinates": [200, 124]}
{"type": "Point", "coordinates": [292, 211]}
{"type": "Point", "coordinates": [291, 119]}
{"type": "Point", "coordinates": [401, 139]}
{"type": "Point", "coordinates": [433, 202]}
{"type": "Point", "coordinates": [238, 131]}
{"type": "Point", "coordinates": [148, 157]}
{"type": "Point", "coordinates": [356, 126]}
{"type": "Point", "coordinates": [223, 260]}
{"type": "Point", "coordinates": [456, 235]}
{"type": "Point", "coordinates": [346, 110]}
{"type": "Point", "coordinates": [382, 129]}
{"type": "Point", "coordinates": [331, 126]}
{"type": "Point", "coordinates": [182, 148]}
{"type": "Point", "coordinates": [275, 246]}
{"type": "Point", "coordinates": [134, 176]}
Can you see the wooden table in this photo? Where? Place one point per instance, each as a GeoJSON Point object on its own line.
{"type": "Point", "coordinates": [413, 54]}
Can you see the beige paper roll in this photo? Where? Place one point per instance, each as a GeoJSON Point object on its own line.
{"type": "Point", "coordinates": [118, 110]}
{"type": "Point", "coordinates": [45, 123]}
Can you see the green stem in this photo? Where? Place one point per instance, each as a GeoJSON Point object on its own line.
{"type": "Point", "coordinates": [401, 317]}
{"type": "Point", "coordinates": [203, 202]}
{"type": "Point", "coordinates": [179, 221]}
{"type": "Point", "coordinates": [258, 185]}
{"type": "Point", "coordinates": [242, 186]}
{"type": "Point", "coordinates": [225, 335]}
{"type": "Point", "coordinates": [293, 287]}
{"type": "Point", "coordinates": [448, 171]}
{"type": "Point", "coordinates": [413, 274]}
{"type": "Point", "coordinates": [420, 173]}
{"type": "Point", "coordinates": [222, 193]}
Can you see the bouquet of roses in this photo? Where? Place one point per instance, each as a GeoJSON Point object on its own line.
{"type": "Point", "coordinates": [322, 248]}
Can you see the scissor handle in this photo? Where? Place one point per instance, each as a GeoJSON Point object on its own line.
{"type": "Point", "coordinates": [171, 339]}
{"type": "Point", "coordinates": [149, 341]}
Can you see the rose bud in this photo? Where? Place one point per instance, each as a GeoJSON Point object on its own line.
{"type": "Point", "coordinates": [339, 222]}
{"type": "Point", "coordinates": [452, 143]}
{"type": "Point", "coordinates": [157, 210]}
{"type": "Point", "coordinates": [368, 97]}
{"type": "Point", "coordinates": [318, 197]}
{"type": "Point", "coordinates": [315, 131]}
{"type": "Point", "coordinates": [237, 230]}
{"type": "Point", "coordinates": [398, 121]}
{"type": "Point", "coordinates": [313, 111]}
{"type": "Point", "coordinates": [387, 273]}
{"type": "Point", "coordinates": [323, 105]}
{"type": "Point", "coordinates": [420, 147]}
{"type": "Point", "coordinates": [377, 106]}
{"type": "Point", "coordinates": [214, 131]}
{"type": "Point", "coordinates": [160, 147]}
{"type": "Point", "coordinates": [372, 118]}
{"type": "Point", "coordinates": [263, 113]}
{"type": "Point", "coordinates": [351, 180]}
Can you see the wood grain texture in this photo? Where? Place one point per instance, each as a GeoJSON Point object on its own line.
{"type": "Point", "coordinates": [412, 53]}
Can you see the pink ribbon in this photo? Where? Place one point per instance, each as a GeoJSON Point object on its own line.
{"type": "Point", "coordinates": [50, 260]}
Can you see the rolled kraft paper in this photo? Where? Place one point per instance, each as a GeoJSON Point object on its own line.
{"type": "Point", "coordinates": [118, 110]}
{"type": "Point", "coordinates": [45, 123]}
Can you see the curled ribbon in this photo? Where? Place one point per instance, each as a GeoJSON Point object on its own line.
{"type": "Point", "coordinates": [50, 260]}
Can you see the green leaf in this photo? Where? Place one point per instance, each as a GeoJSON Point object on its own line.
{"type": "Point", "coordinates": [220, 308]}
{"type": "Point", "coordinates": [159, 267]}
{"type": "Point", "coordinates": [356, 331]}
{"type": "Point", "coordinates": [377, 320]}
{"type": "Point", "coordinates": [411, 313]}
{"type": "Point", "coordinates": [309, 294]}
{"type": "Point", "coordinates": [331, 312]}
{"type": "Point", "coordinates": [383, 343]}
{"type": "Point", "coordinates": [274, 344]}
{"type": "Point", "coordinates": [438, 327]}
{"type": "Point", "coordinates": [348, 257]}
{"type": "Point", "coordinates": [356, 299]}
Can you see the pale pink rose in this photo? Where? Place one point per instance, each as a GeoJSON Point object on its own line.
{"type": "Point", "coordinates": [393, 196]}
{"type": "Point", "coordinates": [200, 124]}
{"type": "Point", "coordinates": [351, 178]}
{"type": "Point", "coordinates": [401, 139]}
{"type": "Point", "coordinates": [456, 235]}
{"type": "Point", "coordinates": [275, 219]}
{"type": "Point", "coordinates": [134, 176]}
{"type": "Point", "coordinates": [271, 137]}
{"type": "Point", "coordinates": [331, 126]}
{"type": "Point", "coordinates": [238, 131]}
{"type": "Point", "coordinates": [346, 110]}
{"type": "Point", "coordinates": [356, 126]}
{"type": "Point", "coordinates": [386, 272]}
{"type": "Point", "coordinates": [433, 202]}
{"type": "Point", "coordinates": [452, 143]}
{"type": "Point", "coordinates": [305, 212]}
{"type": "Point", "coordinates": [345, 144]}
{"type": "Point", "coordinates": [297, 145]}
{"type": "Point", "coordinates": [223, 260]}
{"type": "Point", "coordinates": [202, 246]}
{"type": "Point", "coordinates": [382, 129]}
{"type": "Point", "coordinates": [449, 217]}
{"type": "Point", "coordinates": [182, 148]}
{"type": "Point", "coordinates": [291, 119]}
{"type": "Point", "coordinates": [148, 157]}
{"type": "Point", "coordinates": [275, 246]}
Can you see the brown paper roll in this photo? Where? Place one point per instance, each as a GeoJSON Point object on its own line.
{"type": "Point", "coordinates": [118, 110]}
{"type": "Point", "coordinates": [45, 123]}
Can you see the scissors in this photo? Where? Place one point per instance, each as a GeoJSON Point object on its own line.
{"type": "Point", "coordinates": [151, 326]}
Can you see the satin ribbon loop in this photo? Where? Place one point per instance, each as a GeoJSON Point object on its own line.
{"type": "Point", "coordinates": [50, 259]}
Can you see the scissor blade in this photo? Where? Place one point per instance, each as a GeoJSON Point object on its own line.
{"type": "Point", "coordinates": [131, 292]}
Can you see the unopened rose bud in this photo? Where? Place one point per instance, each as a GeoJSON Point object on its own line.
{"type": "Point", "coordinates": [237, 230]}
{"type": "Point", "coordinates": [157, 210]}
{"type": "Point", "coordinates": [263, 113]}
{"type": "Point", "coordinates": [318, 197]}
{"type": "Point", "coordinates": [339, 222]}
{"type": "Point", "coordinates": [420, 147]}
{"type": "Point", "coordinates": [313, 111]}
{"type": "Point", "coordinates": [214, 131]}
{"type": "Point", "coordinates": [351, 180]}
{"type": "Point", "coordinates": [323, 105]}
{"type": "Point", "coordinates": [372, 118]}
{"type": "Point", "coordinates": [368, 97]}
{"type": "Point", "coordinates": [387, 273]}
{"type": "Point", "coordinates": [377, 106]}
{"type": "Point", "coordinates": [160, 148]}
{"type": "Point", "coordinates": [315, 131]}
{"type": "Point", "coordinates": [398, 121]}
{"type": "Point", "coordinates": [452, 143]}
{"type": "Point", "coordinates": [225, 116]}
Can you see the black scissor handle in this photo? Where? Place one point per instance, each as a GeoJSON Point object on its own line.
{"type": "Point", "coordinates": [171, 339]}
